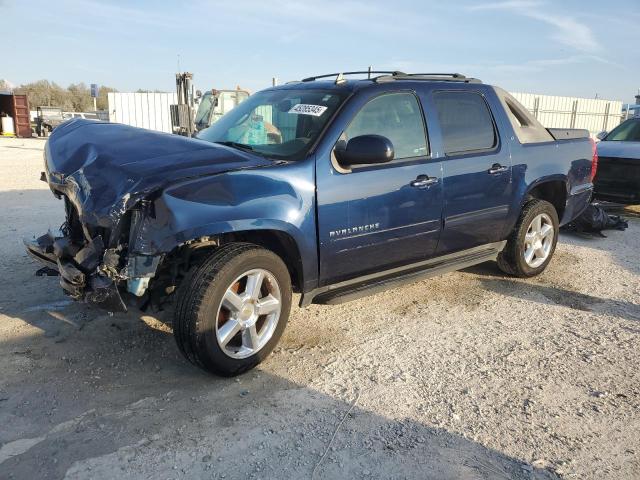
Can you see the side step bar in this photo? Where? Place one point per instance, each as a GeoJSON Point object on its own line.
{"type": "Point", "coordinates": [378, 282]}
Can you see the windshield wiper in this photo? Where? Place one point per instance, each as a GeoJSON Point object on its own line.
{"type": "Point", "coordinates": [240, 146]}
{"type": "Point", "coordinates": [245, 147]}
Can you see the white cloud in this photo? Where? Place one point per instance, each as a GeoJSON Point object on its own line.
{"type": "Point", "coordinates": [296, 18]}
{"type": "Point", "coordinates": [544, 64]}
{"type": "Point", "coordinates": [498, 69]}
{"type": "Point", "coordinates": [568, 30]}
{"type": "Point", "coordinates": [510, 4]}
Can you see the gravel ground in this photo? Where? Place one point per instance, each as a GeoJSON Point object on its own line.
{"type": "Point", "coordinates": [472, 375]}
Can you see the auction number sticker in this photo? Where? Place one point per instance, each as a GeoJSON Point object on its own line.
{"type": "Point", "coordinates": [306, 109]}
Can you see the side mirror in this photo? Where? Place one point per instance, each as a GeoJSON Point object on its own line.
{"type": "Point", "coordinates": [364, 150]}
{"type": "Point", "coordinates": [601, 135]}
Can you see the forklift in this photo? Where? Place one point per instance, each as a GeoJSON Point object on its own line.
{"type": "Point", "coordinates": [215, 103]}
{"type": "Point", "coordinates": [47, 118]}
{"type": "Point", "coordinates": [196, 111]}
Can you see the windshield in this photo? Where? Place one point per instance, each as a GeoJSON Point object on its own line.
{"type": "Point", "coordinates": [628, 131]}
{"type": "Point", "coordinates": [204, 108]}
{"type": "Point", "coordinates": [214, 105]}
{"type": "Point", "coordinates": [282, 124]}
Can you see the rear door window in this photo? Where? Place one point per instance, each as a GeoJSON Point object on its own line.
{"type": "Point", "coordinates": [465, 121]}
{"type": "Point", "coordinates": [396, 116]}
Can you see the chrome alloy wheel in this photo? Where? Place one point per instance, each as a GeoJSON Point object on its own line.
{"type": "Point", "coordinates": [248, 313]}
{"type": "Point", "coordinates": [538, 240]}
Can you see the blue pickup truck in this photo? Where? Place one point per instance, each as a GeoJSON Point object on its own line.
{"type": "Point", "coordinates": [335, 187]}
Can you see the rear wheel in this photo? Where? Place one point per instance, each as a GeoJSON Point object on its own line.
{"type": "Point", "coordinates": [533, 241]}
{"type": "Point", "coordinates": [231, 310]}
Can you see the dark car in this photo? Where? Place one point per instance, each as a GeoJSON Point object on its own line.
{"type": "Point", "coordinates": [331, 188]}
{"type": "Point", "coordinates": [618, 178]}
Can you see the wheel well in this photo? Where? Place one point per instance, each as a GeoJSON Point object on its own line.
{"type": "Point", "coordinates": [554, 192]}
{"type": "Point", "coordinates": [280, 243]}
{"type": "Point", "coordinates": [176, 264]}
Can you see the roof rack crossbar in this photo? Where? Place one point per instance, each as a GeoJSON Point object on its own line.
{"type": "Point", "coordinates": [389, 75]}
{"type": "Point", "coordinates": [437, 77]}
{"type": "Point", "coordinates": [364, 72]}
{"type": "Point", "coordinates": [454, 75]}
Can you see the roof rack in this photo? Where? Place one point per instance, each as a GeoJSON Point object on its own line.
{"type": "Point", "coordinates": [339, 75]}
{"type": "Point", "coordinates": [390, 75]}
{"type": "Point", "coordinates": [440, 77]}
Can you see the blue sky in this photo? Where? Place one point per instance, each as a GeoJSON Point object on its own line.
{"type": "Point", "coordinates": [576, 48]}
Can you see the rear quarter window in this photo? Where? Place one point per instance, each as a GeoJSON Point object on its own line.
{"type": "Point", "coordinates": [526, 127]}
{"type": "Point", "coordinates": [465, 121]}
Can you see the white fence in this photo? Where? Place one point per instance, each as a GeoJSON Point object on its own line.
{"type": "Point", "coordinates": [594, 115]}
{"type": "Point", "coordinates": [151, 110]}
{"type": "Point", "coordinates": [145, 110]}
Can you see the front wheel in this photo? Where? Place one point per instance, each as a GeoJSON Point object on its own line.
{"type": "Point", "coordinates": [533, 241]}
{"type": "Point", "coordinates": [231, 310]}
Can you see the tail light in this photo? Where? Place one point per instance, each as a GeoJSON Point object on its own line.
{"type": "Point", "coordinates": [594, 159]}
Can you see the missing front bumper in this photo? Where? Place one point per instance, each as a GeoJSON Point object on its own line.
{"type": "Point", "coordinates": [77, 267]}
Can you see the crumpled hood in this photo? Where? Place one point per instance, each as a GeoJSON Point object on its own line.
{"type": "Point", "coordinates": [104, 168]}
{"type": "Point", "coordinates": [619, 149]}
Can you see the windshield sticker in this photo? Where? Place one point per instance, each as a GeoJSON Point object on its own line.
{"type": "Point", "coordinates": [305, 109]}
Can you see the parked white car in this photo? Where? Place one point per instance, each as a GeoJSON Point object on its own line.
{"type": "Point", "coordinates": [87, 115]}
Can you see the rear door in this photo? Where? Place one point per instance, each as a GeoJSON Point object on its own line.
{"type": "Point", "coordinates": [476, 170]}
{"type": "Point", "coordinates": [374, 217]}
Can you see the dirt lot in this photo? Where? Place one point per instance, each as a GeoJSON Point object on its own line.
{"type": "Point", "coordinates": [471, 375]}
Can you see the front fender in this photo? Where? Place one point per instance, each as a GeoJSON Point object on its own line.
{"type": "Point", "coordinates": [280, 198]}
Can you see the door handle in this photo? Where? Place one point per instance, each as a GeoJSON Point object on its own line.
{"type": "Point", "coordinates": [497, 168]}
{"type": "Point", "coordinates": [422, 181]}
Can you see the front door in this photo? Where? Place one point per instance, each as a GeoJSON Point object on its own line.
{"type": "Point", "coordinates": [374, 217]}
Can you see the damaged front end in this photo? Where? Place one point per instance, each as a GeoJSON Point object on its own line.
{"type": "Point", "coordinates": [109, 176]}
{"type": "Point", "coordinates": [90, 270]}
{"type": "Point", "coordinates": [78, 267]}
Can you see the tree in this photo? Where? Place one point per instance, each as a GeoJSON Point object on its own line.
{"type": "Point", "coordinates": [74, 98]}
{"type": "Point", "coordinates": [142, 90]}
{"type": "Point", "coordinates": [80, 97]}
{"type": "Point", "coordinates": [44, 93]}
{"type": "Point", "coordinates": [102, 101]}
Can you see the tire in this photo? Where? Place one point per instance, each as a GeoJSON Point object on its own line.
{"type": "Point", "coordinates": [513, 260]}
{"type": "Point", "coordinates": [201, 314]}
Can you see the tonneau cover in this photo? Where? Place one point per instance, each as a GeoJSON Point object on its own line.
{"type": "Point", "coordinates": [568, 133]}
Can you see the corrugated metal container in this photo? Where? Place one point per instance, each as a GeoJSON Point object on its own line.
{"type": "Point", "coordinates": [594, 115]}
{"type": "Point", "coordinates": [17, 107]}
